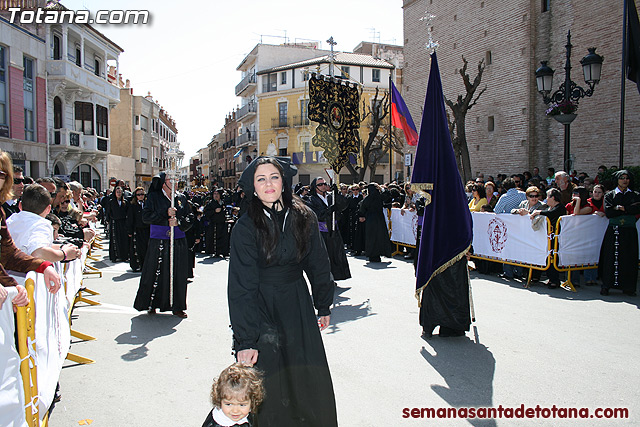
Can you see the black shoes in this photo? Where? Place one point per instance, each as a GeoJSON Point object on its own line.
{"type": "Point", "coordinates": [604, 291]}
{"type": "Point", "coordinates": [450, 332]}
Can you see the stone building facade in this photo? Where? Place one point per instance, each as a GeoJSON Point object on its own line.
{"type": "Point", "coordinates": [507, 131]}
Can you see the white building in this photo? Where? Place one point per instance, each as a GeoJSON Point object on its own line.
{"type": "Point", "coordinates": [80, 95]}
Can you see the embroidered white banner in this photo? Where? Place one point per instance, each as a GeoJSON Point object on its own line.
{"type": "Point", "coordinates": [509, 237]}
{"type": "Point", "coordinates": [580, 239]}
{"type": "Point", "coordinates": [11, 392]}
{"type": "Point", "coordinates": [404, 226]}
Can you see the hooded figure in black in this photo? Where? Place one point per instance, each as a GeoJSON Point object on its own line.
{"type": "Point", "coordinates": [217, 232]}
{"type": "Point", "coordinates": [272, 314]}
{"type": "Point", "coordinates": [321, 203]}
{"type": "Point", "coordinates": [618, 264]}
{"type": "Point", "coordinates": [154, 291]}
{"type": "Point", "coordinates": [377, 242]}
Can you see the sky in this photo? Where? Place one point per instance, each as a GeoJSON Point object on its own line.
{"type": "Point", "coordinates": [187, 56]}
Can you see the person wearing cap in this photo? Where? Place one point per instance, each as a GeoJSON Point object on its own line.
{"type": "Point", "coordinates": [154, 292]}
{"type": "Point", "coordinates": [618, 264]}
{"type": "Point", "coordinates": [274, 323]}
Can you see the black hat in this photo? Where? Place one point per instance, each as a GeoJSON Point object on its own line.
{"type": "Point", "coordinates": [157, 182]}
{"type": "Point", "coordinates": [246, 179]}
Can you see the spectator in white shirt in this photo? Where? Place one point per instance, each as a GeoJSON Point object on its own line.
{"type": "Point", "coordinates": [32, 233]}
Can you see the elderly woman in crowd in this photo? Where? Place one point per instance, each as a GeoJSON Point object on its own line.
{"type": "Point", "coordinates": [531, 204]}
{"type": "Point", "coordinates": [618, 265]}
{"type": "Point", "coordinates": [479, 198]}
{"type": "Point", "coordinates": [579, 204]}
{"type": "Point", "coordinates": [490, 191]}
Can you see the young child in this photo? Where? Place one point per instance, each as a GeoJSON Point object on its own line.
{"type": "Point", "coordinates": [236, 393]}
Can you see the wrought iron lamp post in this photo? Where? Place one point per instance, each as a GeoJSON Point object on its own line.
{"type": "Point", "coordinates": [569, 93]}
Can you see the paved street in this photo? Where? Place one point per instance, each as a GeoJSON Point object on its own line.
{"type": "Point", "coordinates": [532, 347]}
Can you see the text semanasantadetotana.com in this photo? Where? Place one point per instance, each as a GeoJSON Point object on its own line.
{"type": "Point", "coordinates": [48, 16]}
{"type": "Point", "coordinates": [515, 412]}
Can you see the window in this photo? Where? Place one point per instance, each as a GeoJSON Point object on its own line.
{"type": "Point", "coordinates": [488, 58]}
{"type": "Point", "coordinates": [305, 142]}
{"type": "Point", "coordinates": [546, 5]}
{"type": "Point", "coordinates": [144, 155]}
{"type": "Point", "coordinates": [84, 117]}
{"type": "Point", "coordinates": [27, 85]}
{"type": "Point", "coordinates": [156, 160]}
{"type": "Point", "coordinates": [375, 75]}
{"type": "Point", "coordinates": [102, 121]}
{"type": "Point", "coordinates": [282, 113]}
{"type": "Point", "coordinates": [3, 94]}
{"type": "Point", "coordinates": [144, 123]}
{"type": "Point", "coordinates": [304, 111]}
{"type": "Point", "coordinates": [283, 78]}
{"type": "Point", "coordinates": [57, 47]}
{"type": "Point", "coordinates": [96, 65]}
{"type": "Point", "coordinates": [78, 56]}
{"type": "Point", "coordinates": [305, 75]}
{"type": "Point", "coordinates": [491, 125]}
{"type": "Point", "coordinates": [346, 71]}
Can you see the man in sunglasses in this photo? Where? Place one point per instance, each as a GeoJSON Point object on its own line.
{"type": "Point", "coordinates": [322, 204]}
{"type": "Point", "coordinates": [11, 206]}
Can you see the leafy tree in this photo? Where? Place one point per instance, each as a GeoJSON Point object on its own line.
{"type": "Point", "coordinates": [458, 117]}
{"type": "Point", "coordinates": [378, 143]}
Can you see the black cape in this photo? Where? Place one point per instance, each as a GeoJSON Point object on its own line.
{"type": "Point", "coordinates": [271, 311]}
{"type": "Point", "coordinates": [445, 301]}
{"type": "Point", "coordinates": [377, 242]}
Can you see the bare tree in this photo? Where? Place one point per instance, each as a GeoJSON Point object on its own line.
{"type": "Point", "coordinates": [378, 143]}
{"type": "Point", "coordinates": [459, 111]}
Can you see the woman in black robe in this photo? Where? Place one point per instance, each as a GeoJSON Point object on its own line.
{"type": "Point", "coordinates": [378, 242]}
{"type": "Point", "coordinates": [272, 314]}
{"type": "Point", "coordinates": [119, 241]}
{"type": "Point", "coordinates": [154, 291]}
{"type": "Point", "coordinates": [352, 214]}
{"type": "Point", "coordinates": [217, 232]}
{"type": "Point", "coordinates": [618, 265]}
{"type": "Point", "coordinates": [138, 230]}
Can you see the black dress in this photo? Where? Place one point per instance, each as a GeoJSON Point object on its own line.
{"type": "Point", "coordinates": [378, 242]}
{"type": "Point", "coordinates": [271, 311]}
{"type": "Point", "coordinates": [352, 216]}
{"type": "Point", "coordinates": [139, 232]}
{"type": "Point", "coordinates": [119, 241]}
{"type": "Point", "coordinates": [217, 233]}
{"type": "Point", "coordinates": [330, 234]}
{"type": "Point", "coordinates": [618, 265]}
{"type": "Point", "coordinates": [154, 292]}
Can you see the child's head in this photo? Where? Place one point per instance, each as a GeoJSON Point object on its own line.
{"type": "Point", "coordinates": [55, 223]}
{"type": "Point", "coordinates": [237, 391]}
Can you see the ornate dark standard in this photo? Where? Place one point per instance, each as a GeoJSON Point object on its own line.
{"type": "Point", "coordinates": [564, 101]}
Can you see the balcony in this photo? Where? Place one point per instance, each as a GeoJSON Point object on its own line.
{"type": "Point", "coordinates": [144, 167]}
{"type": "Point", "coordinates": [72, 141]}
{"type": "Point", "coordinates": [75, 78]}
{"type": "Point", "coordinates": [249, 80]}
{"type": "Point", "coordinates": [229, 144]}
{"type": "Point", "coordinates": [299, 121]}
{"type": "Point", "coordinates": [280, 122]}
{"type": "Point", "coordinates": [246, 111]}
{"type": "Point", "coordinates": [269, 87]}
{"type": "Point", "coordinates": [246, 138]}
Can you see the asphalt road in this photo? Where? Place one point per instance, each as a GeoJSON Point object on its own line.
{"type": "Point", "coordinates": [528, 347]}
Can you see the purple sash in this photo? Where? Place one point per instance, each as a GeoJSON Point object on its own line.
{"type": "Point", "coordinates": [323, 226]}
{"type": "Point", "coordinates": [163, 232]}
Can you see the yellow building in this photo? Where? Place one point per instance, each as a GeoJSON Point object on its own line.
{"type": "Point", "coordinates": [284, 127]}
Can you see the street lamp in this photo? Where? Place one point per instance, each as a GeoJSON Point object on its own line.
{"type": "Point", "coordinates": [569, 94]}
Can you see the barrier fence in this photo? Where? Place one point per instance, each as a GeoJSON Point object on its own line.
{"type": "Point", "coordinates": [44, 339]}
{"type": "Point", "coordinates": [512, 239]}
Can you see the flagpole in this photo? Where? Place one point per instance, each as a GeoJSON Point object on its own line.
{"type": "Point", "coordinates": [390, 129]}
{"type": "Point", "coordinates": [623, 81]}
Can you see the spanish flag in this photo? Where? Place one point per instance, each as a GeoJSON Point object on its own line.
{"type": "Point", "coordinates": [401, 118]}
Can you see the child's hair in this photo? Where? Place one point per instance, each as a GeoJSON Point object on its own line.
{"type": "Point", "coordinates": [76, 214]}
{"type": "Point", "coordinates": [54, 220]}
{"type": "Point", "coordinates": [240, 379]}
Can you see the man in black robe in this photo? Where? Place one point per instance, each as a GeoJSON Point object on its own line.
{"type": "Point", "coordinates": [323, 205]}
{"type": "Point", "coordinates": [378, 242]}
{"type": "Point", "coordinates": [618, 265]}
{"type": "Point", "coordinates": [154, 291]}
